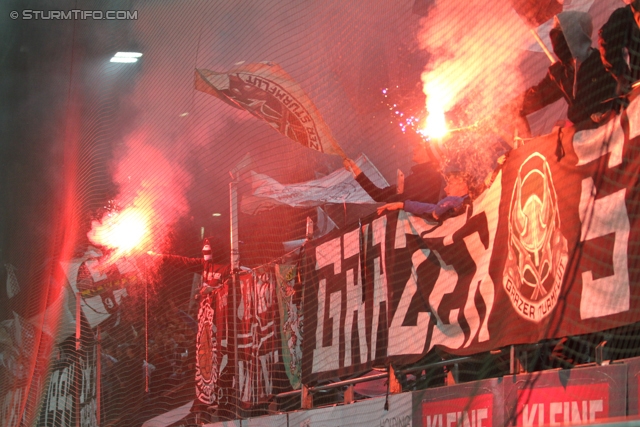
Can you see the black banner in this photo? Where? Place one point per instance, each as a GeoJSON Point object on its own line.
{"type": "Point", "coordinates": [214, 354]}
{"type": "Point", "coordinates": [549, 250]}
{"type": "Point", "coordinates": [72, 384]}
{"type": "Point", "coordinates": [257, 336]}
{"type": "Point", "coordinates": [255, 319]}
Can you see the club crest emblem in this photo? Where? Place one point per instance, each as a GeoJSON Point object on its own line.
{"type": "Point", "coordinates": [537, 249]}
{"type": "Point", "coordinates": [206, 356]}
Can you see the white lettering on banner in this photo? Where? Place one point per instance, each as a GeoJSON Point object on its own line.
{"type": "Point", "coordinates": [449, 334]}
{"type": "Point", "coordinates": [11, 407]}
{"type": "Point", "coordinates": [400, 421]}
{"type": "Point", "coordinates": [481, 279]}
{"type": "Point", "coordinates": [405, 339]}
{"type": "Point", "coordinates": [59, 407]}
{"type": "Point", "coordinates": [326, 358]}
{"type": "Point", "coordinates": [335, 305]}
{"type": "Point", "coordinates": [599, 217]}
{"type": "Point", "coordinates": [88, 415]}
{"type": "Point", "coordinates": [339, 296]}
{"type": "Point", "coordinates": [467, 411]}
{"type": "Point", "coordinates": [354, 301]}
{"type": "Point", "coordinates": [481, 256]}
{"type": "Point", "coordinates": [267, 360]}
{"type": "Point", "coordinates": [400, 240]}
{"type": "Point", "coordinates": [528, 415]}
{"type": "Point", "coordinates": [433, 421]}
{"type": "Point", "coordinates": [589, 145]}
{"type": "Point", "coordinates": [327, 254]}
{"type": "Point", "coordinates": [473, 418]}
{"type": "Point", "coordinates": [572, 412]}
{"type": "Point", "coordinates": [88, 368]}
{"type": "Point", "coordinates": [379, 227]}
{"type": "Point", "coordinates": [414, 225]}
{"type": "Point", "coordinates": [244, 379]}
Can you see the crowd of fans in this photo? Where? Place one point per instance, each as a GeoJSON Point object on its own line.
{"type": "Point", "coordinates": [139, 365]}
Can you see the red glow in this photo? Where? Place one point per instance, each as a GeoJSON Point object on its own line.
{"type": "Point", "coordinates": [152, 185]}
{"type": "Point", "coordinates": [123, 231]}
{"type": "Point", "coordinates": [468, 68]}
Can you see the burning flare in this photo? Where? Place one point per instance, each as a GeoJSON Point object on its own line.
{"type": "Point", "coordinates": [122, 231]}
{"type": "Point", "coordinates": [435, 126]}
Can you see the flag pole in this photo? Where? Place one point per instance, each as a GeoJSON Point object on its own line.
{"type": "Point", "coordinates": [538, 39]}
{"type": "Point", "coordinates": [235, 267]}
{"type": "Point", "coordinates": [98, 350]}
{"type": "Point", "coordinates": [542, 45]}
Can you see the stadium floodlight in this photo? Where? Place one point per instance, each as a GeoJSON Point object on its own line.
{"type": "Point", "coordinates": [126, 57]}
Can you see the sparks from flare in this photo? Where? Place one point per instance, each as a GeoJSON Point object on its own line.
{"type": "Point", "coordinates": [405, 121]}
{"type": "Point", "coordinates": [429, 125]}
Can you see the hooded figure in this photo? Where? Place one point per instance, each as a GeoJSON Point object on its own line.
{"type": "Point", "coordinates": [619, 37]}
{"type": "Point", "coordinates": [579, 76]}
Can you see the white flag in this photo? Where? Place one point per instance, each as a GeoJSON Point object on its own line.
{"type": "Point", "coordinates": [101, 288]}
{"type": "Point", "coordinates": [337, 187]}
{"type": "Point", "coordinates": [324, 223]}
{"type": "Point", "coordinates": [13, 287]}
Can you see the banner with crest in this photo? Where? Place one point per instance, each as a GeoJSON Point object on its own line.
{"type": "Point", "coordinates": [289, 290]}
{"type": "Point", "coordinates": [214, 354]}
{"type": "Point", "coordinates": [550, 249]}
{"type": "Point", "coordinates": [251, 379]}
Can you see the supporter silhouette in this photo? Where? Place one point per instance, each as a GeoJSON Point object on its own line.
{"type": "Point", "coordinates": [214, 272]}
{"type": "Point", "coordinates": [579, 76]}
{"type": "Point", "coordinates": [619, 39]}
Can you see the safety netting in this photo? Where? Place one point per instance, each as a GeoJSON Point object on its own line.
{"type": "Point", "coordinates": [258, 213]}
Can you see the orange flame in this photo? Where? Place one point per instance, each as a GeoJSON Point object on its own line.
{"type": "Point", "coordinates": [475, 59]}
{"type": "Point", "coordinates": [435, 126]}
{"type": "Point", "coordinates": [123, 231]}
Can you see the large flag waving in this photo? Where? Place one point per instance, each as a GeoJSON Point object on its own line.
{"type": "Point", "coordinates": [537, 12]}
{"type": "Point", "coordinates": [269, 93]}
{"type": "Point", "coordinates": [101, 287]}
